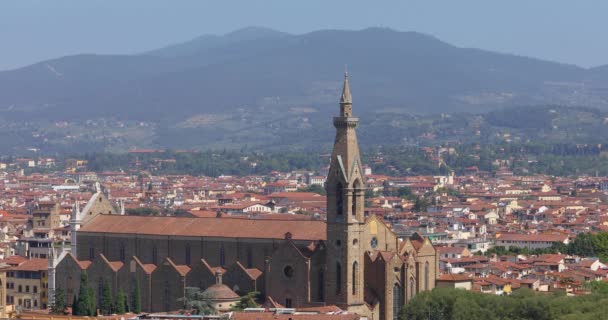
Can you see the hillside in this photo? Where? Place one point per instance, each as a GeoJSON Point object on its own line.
{"type": "Point", "coordinates": [255, 67]}
{"type": "Point", "coordinates": [262, 88]}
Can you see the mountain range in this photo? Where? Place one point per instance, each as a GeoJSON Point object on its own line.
{"type": "Point", "coordinates": [257, 77]}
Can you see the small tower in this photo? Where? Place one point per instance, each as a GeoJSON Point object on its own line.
{"type": "Point", "coordinates": [75, 223]}
{"type": "Point", "coordinates": [345, 190]}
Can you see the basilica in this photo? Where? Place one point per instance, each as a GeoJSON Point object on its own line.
{"type": "Point", "coordinates": [351, 261]}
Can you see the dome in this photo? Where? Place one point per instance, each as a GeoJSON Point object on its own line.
{"type": "Point", "coordinates": [220, 292]}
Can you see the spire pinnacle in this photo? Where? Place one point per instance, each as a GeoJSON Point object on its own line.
{"type": "Point", "coordinates": [346, 97]}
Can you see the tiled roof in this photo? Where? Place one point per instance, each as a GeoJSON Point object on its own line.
{"type": "Point", "coordinates": [206, 227]}
{"type": "Point", "coordinates": [32, 265]}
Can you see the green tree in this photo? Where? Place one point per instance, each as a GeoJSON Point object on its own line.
{"type": "Point", "coordinates": [75, 310]}
{"type": "Point", "coordinates": [91, 305]}
{"type": "Point", "coordinates": [59, 305]}
{"type": "Point", "coordinates": [195, 302]}
{"type": "Point", "coordinates": [247, 301]}
{"type": "Point", "coordinates": [136, 298]}
{"type": "Point", "coordinates": [85, 305]}
{"type": "Point", "coordinates": [106, 299]}
{"type": "Point", "coordinates": [314, 188]}
{"type": "Point", "coordinates": [121, 304]}
{"type": "Point", "coordinates": [421, 204]}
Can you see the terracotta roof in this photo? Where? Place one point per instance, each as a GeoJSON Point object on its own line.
{"type": "Point", "coordinates": [32, 265]}
{"type": "Point", "coordinates": [14, 260]}
{"type": "Point", "coordinates": [148, 268]}
{"type": "Point", "coordinates": [453, 277]}
{"type": "Point", "coordinates": [206, 227]}
{"type": "Point", "coordinates": [181, 269]}
{"type": "Point", "coordinates": [220, 292]}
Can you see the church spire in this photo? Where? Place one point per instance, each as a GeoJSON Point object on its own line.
{"type": "Point", "coordinates": [346, 100]}
{"type": "Point", "coordinates": [346, 97]}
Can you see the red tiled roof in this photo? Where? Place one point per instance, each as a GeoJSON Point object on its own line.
{"type": "Point", "coordinates": [32, 265]}
{"type": "Point", "coordinates": [207, 227]}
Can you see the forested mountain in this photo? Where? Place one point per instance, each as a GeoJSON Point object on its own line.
{"type": "Point", "coordinates": [255, 68]}
{"type": "Point", "coordinates": [262, 88]}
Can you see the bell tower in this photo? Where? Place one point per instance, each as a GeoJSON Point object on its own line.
{"type": "Point", "coordinates": [345, 204]}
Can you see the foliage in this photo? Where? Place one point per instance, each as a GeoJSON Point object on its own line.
{"type": "Point", "coordinates": [121, 304]}
{"type": "Point", "coordinates": [147, 211]}
{"type": "Point", "coordinates": [584, 245]}
{"type": "Point", "coordinates": [195, 302]}
{"type": "Point", "coordinates": [588, 245]}
{"type": "Point", "coordinates": [136, 297]}
{"type": "Point", "coordinates": [314, 188]}
{"type": "Point", "coordinates": [75, 309]}
{"type": "Point", "coordinates": [444, 303]}
{"type": "Point", "coordinates": [247, 301]}
{"type": "Point", "coordinates": [421, 204]}
{"type": "Point", "coordinates": [59, 305]}
{"type": "Point", "coordinates": [105, 306]}
{"type": "Point", "coordinates": [85, 304]}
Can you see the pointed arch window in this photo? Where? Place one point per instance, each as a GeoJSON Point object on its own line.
{"type": "Point", "coordinates": [222, 255]}
{"type": "Point", "coordinates": [321, 285]}
{"type": "Point", "coordinates": [355, 276]}
{"type": "Point", "coordinates": [122, 252]}
{"type": "Point", "coordinates": [356, 186]}
{"type": "Point", "coordinates": [426, 275]}
{"type": "Point", "coordinates": [249, 257]}
{"type": "Point", "coordinates": [187, 254]}
{"type": "Point", "coordinates": [397, 301]}
{"type": "Point", "coordinates": [338, 278]}
{"type": "Point", "coordinates": [154, 255]}
{"type": "Point", "coordinates": [412, 284]}
{"type": "Point", "coordinates": [339, 198]}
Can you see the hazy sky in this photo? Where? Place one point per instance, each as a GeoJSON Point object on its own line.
{"type": "Point", "coordinates": [571, 31]}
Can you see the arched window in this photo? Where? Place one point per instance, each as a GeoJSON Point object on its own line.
{"type": "Point", "coordinates": [166, 296]}
{"type": "Point", "coordinates": [122, 252]}
{"type": "Point", "coordinates": [426, 276]}
{"type": "Point", "coordinates": [338, 278]}
{"type": "Point", "coordinates": [154, 255]}
{"type": "Point", "coordinates": [356, 186]}
{"type": "Point", "coordinates": [321, 286]}
{"type": "Point", "coordinates": [397, 301]}
{"type": "Point", "coordinates": [187, 254]}
{"type": "Point", "coordinates": [249, 257]}
{"type": "Point", "coordinates": [339, 199]}
{"type": "Point", "coordinates": [99, 289]}
{"type": "Point", "coordinates": [222, 255]}
{"type": "Point", "coordinates": [412, 293]}
{"type": "Point", "coordinates": [355, 276]}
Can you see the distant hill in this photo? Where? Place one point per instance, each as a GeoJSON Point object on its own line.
{"type": "Point", "coordinates": [262, 88]}
{"type": "Point", "coordinates": [256, 67]}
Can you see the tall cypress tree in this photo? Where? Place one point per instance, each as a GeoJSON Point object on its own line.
{"type": "Point", "coordinates": [121, 303]}
{"type": "Point", "coordinates": [75, 310]}
{"type": "Point", "coordinates": [91, 306]}
{"type": "Point", "coordinates": [136, 298]}
{"type": "Point", "coordinates": [106, 299]}
{"type": "Point", "coordinates": [81, 307]}
{"type": "Point", "coordinates": [59, 305]}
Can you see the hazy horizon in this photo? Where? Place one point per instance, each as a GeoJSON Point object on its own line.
{"type": "Point", "coordinates": [560, 31]}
